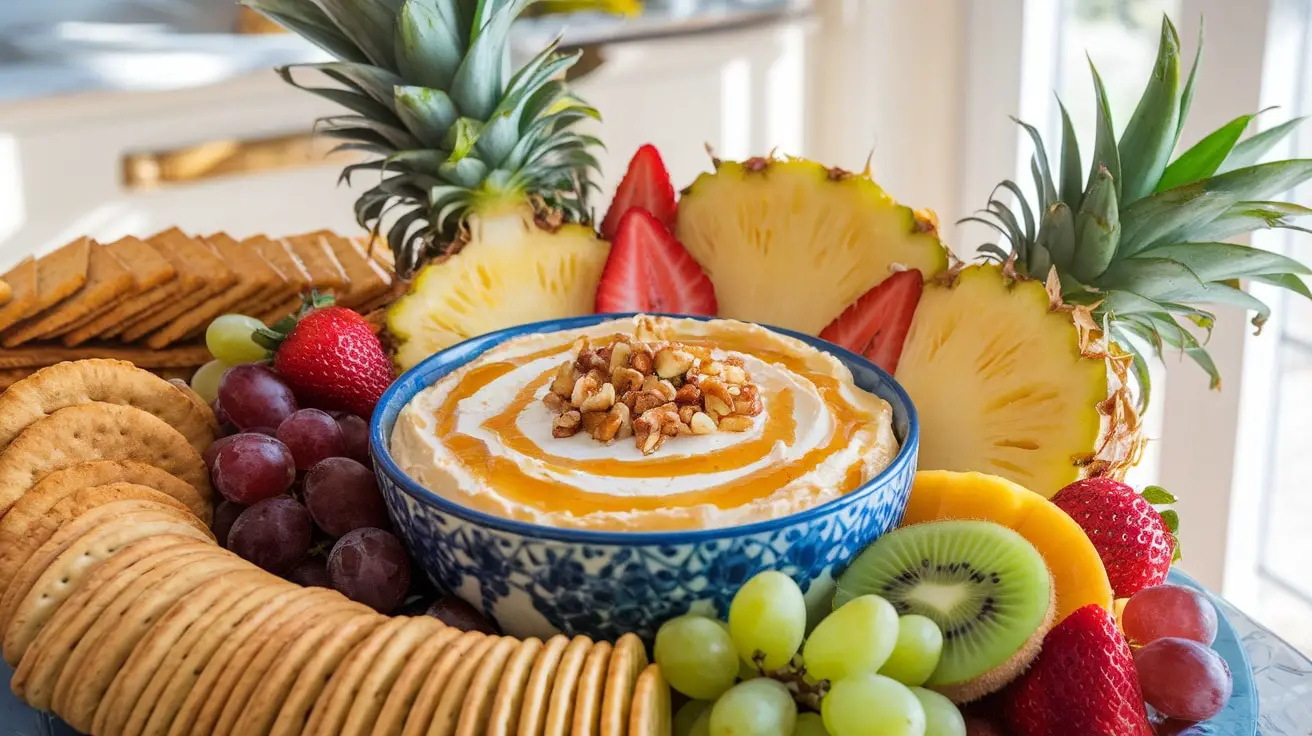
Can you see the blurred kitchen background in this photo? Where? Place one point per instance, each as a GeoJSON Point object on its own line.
{"type": "Point", "coordinates": [129, 116]}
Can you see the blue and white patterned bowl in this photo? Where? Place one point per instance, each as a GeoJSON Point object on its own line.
{"type": "Point", "coordinates": [537, 580]}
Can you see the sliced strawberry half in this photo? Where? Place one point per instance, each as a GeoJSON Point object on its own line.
{"type": "Point", "coordinates": [876, 325]}
{"type": "Point", "coordinates": [649, 271]}
{"type": "Point", "coordinates": [646, 184]}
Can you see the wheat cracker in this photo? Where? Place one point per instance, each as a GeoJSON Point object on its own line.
{"type": "Point", "coordinates": [508, 701]}
{"type": "Point", "coordinates": [533, 711]}
{"type": "Point", "coordinates": [401, 694]}
{"type": "Point", "coordinates": [106, 281]}
{"type": "Point", "coordinates": [173, 682]}
{"type": "Point", "coordinates": [470, 646]}
{"type": "Point", "coordinates": [651, 713]}
{"type": "Point", "coordinates": [6, 292]}
{"type": "Point", "coordinates": [59, 274]}
{"type": "Point", "coordinates": [130, 682]}
{"type": "Point", "coordinates": [279, 254]}
{"type": "Point", "coordinates": [382, 672]}
{"type": "Point", "coordinates": [153, 281]}
{"type": "Point", "coordinates": [36, 676]}
{"type": "Point", "coordinates": [314, 252]}
{"type": "Point", "coordinates": [21, 282]}
{"type": "Point", "coordinates": [565, 688]}
{"type": "Point", "coordinates": [318, 672]}
{"type": "Point", "coordinates": [189, 277]}
{"type": "Point", "coordinates": [89, 683]}
{"type": "Point", "coordinates": [627, 661]}
{"type": "Point", "coordinates": [446, 716]}
{"type": "Point", "coordinates": [103, 381]}
{"type": "Point", "coordinates": [592, 681]}
{"type": "Point", "coordinates": [475, 714]}
{"type": "Point", "coordinates": [78, 434]}
{"type": "Point", "coordinates": [216, 278]}
{"type": "Point", "coordinates": [333, 705]}
{"type": "Point", "coordinates": [365, 278]}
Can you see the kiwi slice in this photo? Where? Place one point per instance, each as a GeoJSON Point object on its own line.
{"type": "Point", "coordinates": [986, 587]}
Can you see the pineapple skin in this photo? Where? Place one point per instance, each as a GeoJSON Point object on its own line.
{"type": "Point", "coordinates": [792, 243]}
{"type": "Point", "coordinates": [1008, 380]}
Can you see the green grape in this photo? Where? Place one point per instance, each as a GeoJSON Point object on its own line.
{"type": "Point", "coordinates": [702, 726]}
{"type": "Point", "coordinates": [872, 705]}
{"type": "Point", "coordinates": [919, 645]}
{"type": "Point", "coordinates": [942, 718]}
{"type": "Point", "coordinates": [854, 639]}
{"type": "Point", "coordinates": [697, 656]}
{"type": "Point", "coordinates": [810, 724]}
{"type": "Point", "coordinates": [760, 707]}
{"type": "Point", "coordinates": [768, 615]}
{"type": "Point", "coordinates": [229, 339]}
{"type": "Point", "coordinates": [692, 713]}
{"type": "Point", "coordinates": [205, 381]}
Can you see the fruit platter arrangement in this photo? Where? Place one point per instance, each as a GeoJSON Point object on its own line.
{"type": "Point", "coordinates": [761, 458]}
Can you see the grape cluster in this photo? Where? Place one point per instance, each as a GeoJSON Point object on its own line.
{"type": "Point", "coordinates": [1171, 628]}
{"type": "Point", "coordinates": [857, 674]}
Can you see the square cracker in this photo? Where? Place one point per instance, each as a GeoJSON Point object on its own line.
{"type": "Point", "coordinates": [21, 280]}
{"type": "Point", "coordinates": [253, 274]}
{"type": "Point", "coordinates": [367, 279]}
{"type": "Point", "coordinates": [281, 291]}
{"type": "Point", "coordinates": [191, 254]}
{"type": "Point", "coordinates": [280, 255]}
{"type": "Point", "coordinates": [326, 272]}
{"type": "Point", "coordinates": [153, 282]}
{"type": "Point", "coordinates": [189, 277]}
{"type": "Point", "coordinates": [6, 292]}
{"type": "Point", "coordinates": [107, 280]}
{"type": "Point", "coordinates": [61, 273]}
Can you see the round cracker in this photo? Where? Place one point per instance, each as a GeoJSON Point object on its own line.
{"type": "Point", "coordinates": [90, 682]}
{"type": "Point", "coordinates": [332, 707]}
{"type": "Point", "coordinates": [401, 695]}
{"type": "Point", "coordinates": [171, 685]}
{"type": "Point", "coordinates": [627, 661]}
{"type": "Point", "coordinates": [126, 689]}
{"type": "Point", "coordinates": [652, 713]}
{"type": "Point", "coordinates": [152, 517]}
{"type": "Point", "coordinates": [509, 700]}
{"type": "Point", "coordinates": [560, 704]}
{"type": "Point", "coordinates": [470, 645]}
{"type": "Point", "coordinates": [228, 672]}
{"type": "Point", "coordinates": [249, 677]}
{"type": "Point", "coordinates": [36, 676]}
{"type": "Point", "coordinates": [381, 674]}
{"type": "Point", "coordinates": [88, 432]}
{"type": "Point", "coordinates": [116, 382]}
{"type": "Point", "coordinates": [587, 704]}
{"type": "Point", "coordinates": [447, 714]}
{"type": "Point", "coordinates": [475, 713]}
{"type": "Point", "coordinates": [318, 672]}
{"type": "Point", "coordinates": [26, 538]}
{"type": "Point", "coordinates": [262, 708]}
{"type": "Point", "coordinates": [533, 712]}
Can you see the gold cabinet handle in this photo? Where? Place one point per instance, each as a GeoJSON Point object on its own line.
{"type": "Point", "coordinates": [225, 157]}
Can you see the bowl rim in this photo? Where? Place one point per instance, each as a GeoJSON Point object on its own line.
{"type": "Point", "coordinates": [416, 379]}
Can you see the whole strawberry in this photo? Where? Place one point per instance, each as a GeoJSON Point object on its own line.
{"type": "Point", "coordinates": [1082, 684]}
{"type": "Point", "coordinates": [330, 357]}
{"type": "Point", "coordinates": [1135, 543]}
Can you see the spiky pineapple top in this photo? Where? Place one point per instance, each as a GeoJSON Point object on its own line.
{"type": "Point", "coordinates": [426, 83]}
{"type": "Point", "coordinates": [1139, 239]}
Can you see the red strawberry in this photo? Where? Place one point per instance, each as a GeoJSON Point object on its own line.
{"type": "Point", "coordinates": [876, 325]}
{"type": "Point", "coordinates": [1133, 540]}
{"type": "Point", "coordinates": [646, 185]}
{"type": "Point", "coordinates": [649, 271]}
{"type": "Point", "coordinates": [1082, 684]}
{"type": "Point", "coordinates": [330, 357]}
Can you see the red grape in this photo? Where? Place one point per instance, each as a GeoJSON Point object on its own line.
{"type": "Point", "coordinates": [253, 467]}
{"type": "Point", "coordinates": [311, 572]}
{"type": "Point", "coordinates": [355, 435]}
{"type": "Point", "coordinates": [1183, 679]}
{"type": "Point", "coordinates": [252, 395]}
{"type": "Point", "coordinates": [370, 566]}
{"type": "Point", "coordinates": [456, 613]}
{"type": "Point", "coordinates": [274, 534]}
{"type": "Point", "coordinates": [1169, 610]}
{"type": "Point", "coordinates": [226, 427]}
{"type": "Point", "coordinates": [225, 515]}
{"type": "Point", "coordinates": [343, 496]}
{"type": "Point", "coordinates": [312, 436]}
{"type": "Point", "coordinates": [212, 451]}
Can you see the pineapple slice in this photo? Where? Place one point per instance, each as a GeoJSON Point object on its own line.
{"type": "Point", "coordinates": [1009, 382]}
{"type": "Point", "coordinates": [511, 272]}
{"type": "Point", "coordinates": [792, 243]}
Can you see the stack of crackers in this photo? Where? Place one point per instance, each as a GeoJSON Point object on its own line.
{"type": "Point", "coordinates": [150, 300]}
{"type": "Point", "coordinates": [123, 616]}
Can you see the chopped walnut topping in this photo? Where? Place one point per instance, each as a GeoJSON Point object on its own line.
{"type": "Point", "coordinates": [650, 390]}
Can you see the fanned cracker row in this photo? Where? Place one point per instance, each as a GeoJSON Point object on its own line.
{"type": "Point", "coordinates": [106, 281]}
{"type": "Point", "coordinates": [190, 255]}
{"type": "Point", "coordinates": [21, 283]}
{"type": "Point", "coordinates": [151, 274]}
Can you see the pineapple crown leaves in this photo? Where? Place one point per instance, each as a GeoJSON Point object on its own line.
{"type": "Point", "coordinates": [1140, 239]}
{"type": "Point", "coordinates": [425, 87]}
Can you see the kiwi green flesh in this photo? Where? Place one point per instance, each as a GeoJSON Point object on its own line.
{"type": "Point", "coordinates": [985, 586]}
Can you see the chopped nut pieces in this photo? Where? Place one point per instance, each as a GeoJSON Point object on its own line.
{"type": "Point", "coordinates": [649, 391]}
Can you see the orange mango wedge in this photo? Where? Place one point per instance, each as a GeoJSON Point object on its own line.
{"type": "Point", "coordinates": [1076, 568]}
